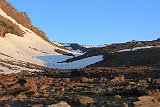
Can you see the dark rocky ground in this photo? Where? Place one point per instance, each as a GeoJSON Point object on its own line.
{"type": "Point", "coordinates": [88, 87]}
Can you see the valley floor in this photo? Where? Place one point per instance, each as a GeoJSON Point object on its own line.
{"type": "Point", "coordinates": [88, 87]}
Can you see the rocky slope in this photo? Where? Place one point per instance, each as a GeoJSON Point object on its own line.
{"type": "Point", "coordinates": [21, 18]}
{"type": "Point", "coordinates": [89, 87]}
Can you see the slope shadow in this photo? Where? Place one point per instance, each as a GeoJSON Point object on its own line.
{"type": "Point", "coordinates": [52, 60]}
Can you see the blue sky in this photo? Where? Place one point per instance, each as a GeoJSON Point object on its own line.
{"type": "Point", "coordinates": [94, 22]}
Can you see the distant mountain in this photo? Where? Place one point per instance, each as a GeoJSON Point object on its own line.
{"type": "Point", "coordinates": [81, 48]}
{"type": "Point", "coordinates": [158, 39]}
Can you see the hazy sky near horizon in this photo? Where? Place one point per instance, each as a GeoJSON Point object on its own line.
{"type": "Point", "coordinates": [94, 22]}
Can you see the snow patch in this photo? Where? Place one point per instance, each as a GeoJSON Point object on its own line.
{"type": "Point", "coordinates": [52, 62]}
{"type": "Point", "coordinates": [15, 69]}
{"type": "Point", "coordinates": [93, 46]}
{"type": "Point", "coordinates": [134, 49]}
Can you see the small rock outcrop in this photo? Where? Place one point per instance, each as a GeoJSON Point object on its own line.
{"type": "Point", "coordinates": [147, 101]}
{"type": "Point", "coordinates": [86, 100]}
{"type": "Point", "coordinates": [60, 104]}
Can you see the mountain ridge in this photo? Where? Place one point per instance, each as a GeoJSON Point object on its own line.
{"type": "Point", "coordinates": [21, 17]}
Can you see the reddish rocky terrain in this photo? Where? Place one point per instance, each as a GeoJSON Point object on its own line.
{"type": "Point", "coordinates": [92, 87]}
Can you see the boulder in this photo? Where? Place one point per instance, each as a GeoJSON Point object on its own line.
{"type": "Point", "coordinates": [86, 100]}
{"type": "Point", "coordinates": [147, 101]}
{"type": "Point", "coordinates": [60, 104]}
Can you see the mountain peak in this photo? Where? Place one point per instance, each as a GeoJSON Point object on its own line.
{"type": "Point", "coordinates": [21, 18]}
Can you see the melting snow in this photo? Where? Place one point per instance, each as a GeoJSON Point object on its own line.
{"type": "Point", "coordinates": [134, 49]}
{"type": "Point", "coordinates": [14, 69]}
{"type": "Point", "coordinates": [93, 46]}
{"type": "Point", "coordinates": [52, 62]}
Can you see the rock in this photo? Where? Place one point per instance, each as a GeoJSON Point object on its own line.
{"type": "Point", "coordinates": [147, 101]}
{"type": "Point", "coordinates": [155, 94]}
{"type": "Point", "coordinates": [91, 105]}
{"type": "Point", "coordinates": [145, 98]}
{"type": "Point", "coordinates": [102, 79]}
{"type": "Point", "coordinates": [7, 105]}
{"type": "Point", "coordinates": [86, 100]}
{"type": "Point", "coordinates": [117, 96]}
{"type": "Point", "coordinates": [109, 89]}
{"type": "Point", "coordinates": [33, 84]}
{"type": "Point", "coordinates": [16, 86]}
{"type": "Point", "coordinates": [157, 90]}
{"type": "Point", "coordinates": [144, 82]}
{"type": "Point", "coordinates": [60, 104]}
{"type": "Point", "coordinates": [6, 97]}
{"type": "Point", "coordinates": [97, 90]}
{"type": "Point", "coordinates": [85, 79]}
{"type": "Point", "coordinates": [67, 80]}
{"type": "Point", "coordinates": [125, 105]}
{"type": "Point", "coordinates": [157, 81]}
{"type": "Point", "coordinates": [22, 82]}
{"type": "Point", "coordinates": [118, 79]}
{"type": "Point", "coordinates": [78, 73]}
{"type": "Point", "coordinates": [149, 80]}
{"type": "Point", "coordinates": [37, 105]}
